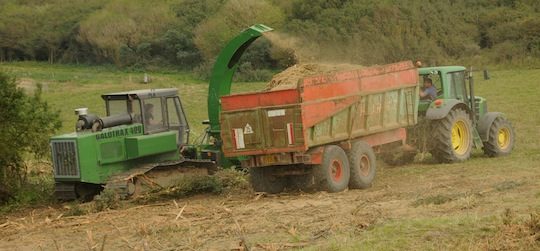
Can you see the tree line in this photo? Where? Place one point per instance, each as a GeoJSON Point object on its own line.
{"type": "Point", "coordinates": [188, 34]}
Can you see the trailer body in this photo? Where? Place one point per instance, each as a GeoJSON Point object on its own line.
{"type": "Point", "coordinates": [291, 126]}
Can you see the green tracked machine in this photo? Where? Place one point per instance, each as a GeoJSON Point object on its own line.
{"type": "Point", "coordinates": [456, 121]}
{"type": "Point", "coordinates": [143, 141]}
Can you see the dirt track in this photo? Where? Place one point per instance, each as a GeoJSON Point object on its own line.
{"type": "Point", "coordinates": [207, 222]}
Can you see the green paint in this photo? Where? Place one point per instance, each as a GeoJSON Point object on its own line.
{"type": "Point", "coordinates": [224, 69]}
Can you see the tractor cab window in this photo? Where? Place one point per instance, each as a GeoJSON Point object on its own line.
{"type": "Point", "coordinates": [436, 80]}
{"type": "Point", "coordinates": [153, 116]}
{"type": "Point", "coordinates": [177, 119]}
{"type": "Point", "coordinates": [458, 88]}
{"type": "Point", "coordinates": [116, 107]}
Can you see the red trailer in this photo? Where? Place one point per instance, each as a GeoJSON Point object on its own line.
{"type": "Point", "coordinates": [325, 131]}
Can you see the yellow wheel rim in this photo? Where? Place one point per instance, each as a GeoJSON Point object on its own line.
{"type": "Point", "coordinates": [504, 138]}
{"type": "Point", "coordinates": [460, 137]}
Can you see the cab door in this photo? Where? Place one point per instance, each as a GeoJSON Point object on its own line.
{"type": "Point", "coordinates": [177, 120]}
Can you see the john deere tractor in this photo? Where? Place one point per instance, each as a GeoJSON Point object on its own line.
{"type": "Point", "coordinates": [457, 120]}
{"type": "Point", "coordinates": [143, 141]}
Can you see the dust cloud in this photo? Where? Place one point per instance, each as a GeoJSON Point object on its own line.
{"type": "Point", "coordinates": [311, 57]}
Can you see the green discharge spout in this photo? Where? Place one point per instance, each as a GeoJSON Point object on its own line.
{"type": "Point", "coordinates": [224, 69]}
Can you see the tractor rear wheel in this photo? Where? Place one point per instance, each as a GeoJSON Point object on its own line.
{"type": "Point", "coordinates": [501, 138]}
{"type": "Point", "coordinates": [363, 165]}
{"type": "Point", "coordinates": [333, 173]}
{"type": "Point", "coordinates": [262, 180]}
{"type": "Point", "coordinates": [452, 137]}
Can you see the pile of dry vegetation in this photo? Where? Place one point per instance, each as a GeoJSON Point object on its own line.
{"type": "Point", "coordinates": [289, 78]}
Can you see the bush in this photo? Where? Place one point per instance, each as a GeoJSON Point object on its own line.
{"type": "Point", "coordinates": [27, 124]}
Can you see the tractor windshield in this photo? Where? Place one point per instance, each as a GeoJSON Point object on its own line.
{"type": "Point", "coordinates": [123, 106]}
{"type": "Point", "coordinates": [116, 107]}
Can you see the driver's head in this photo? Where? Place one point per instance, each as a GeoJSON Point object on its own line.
{"type": "Point", "coordinates": [428, 82]}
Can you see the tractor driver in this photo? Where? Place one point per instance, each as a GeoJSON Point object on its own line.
{"type": "Point", "coordinates": [428, 92]}
{"type": "Point", "coordinates": [149, 114]}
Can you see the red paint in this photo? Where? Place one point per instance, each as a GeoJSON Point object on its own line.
{"type": "Point", "coordinates": [259, 99]}
{"type": "Point", "coordinates": [336, 170]}
{"type": "Point", "coordinates": [319, 98]}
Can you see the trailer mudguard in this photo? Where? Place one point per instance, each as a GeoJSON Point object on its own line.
{"type": "Point", "coordinates": [438, 112]}
{"type": "Point", "coordinates": [485, 123]}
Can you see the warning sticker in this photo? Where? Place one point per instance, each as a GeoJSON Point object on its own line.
{"type": "Point", "coordinates": [248, 129]}
{"type": "Point", "coordinates": [276, 113]}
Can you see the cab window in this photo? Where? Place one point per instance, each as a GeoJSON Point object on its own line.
{"type": "Point", "coordinates": [457, 83]}
{"type": "Point", "coordinates": [435, 78]}
{"type": "Point", "coordinates": [116, 107]}
{"type": "Point", "coordinates": [153, 115]}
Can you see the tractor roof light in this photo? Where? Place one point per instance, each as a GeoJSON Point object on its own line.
{"type": "Point", "coordinates": [438, 103]}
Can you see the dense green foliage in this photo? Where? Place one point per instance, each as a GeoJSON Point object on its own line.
{"type": "Point", "coordinates": [26, 123]}
{"type": "Point", "coordinates": [189, 33]}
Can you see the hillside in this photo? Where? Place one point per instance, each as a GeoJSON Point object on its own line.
{"type": "Point", "coordinates": [188, 34]}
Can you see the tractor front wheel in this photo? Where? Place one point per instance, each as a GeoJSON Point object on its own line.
{"type": "Point", "coordinates": [501, 138]}
{"type": "Point", "coordinates": [452, 137]}
{"type": "Point", "coordinates": [333, 173]}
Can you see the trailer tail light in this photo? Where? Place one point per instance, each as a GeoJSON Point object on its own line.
{"type": "Point", "coordinates": [290, 133]}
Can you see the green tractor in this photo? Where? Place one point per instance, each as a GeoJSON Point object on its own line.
{"type": "Point", "coordinates": [143, 141]}
{"type": "Point", "coordinates": [457, 120]}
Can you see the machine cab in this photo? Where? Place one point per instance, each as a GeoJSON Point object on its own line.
{"type": "Point", "coordinates": [448, 80]}
{"type": "Point", "coordinates": [158, 110]}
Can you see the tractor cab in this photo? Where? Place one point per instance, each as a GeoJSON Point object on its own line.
{"type": "Point", "coordinates": [451, 85]}
{"type": "Point", "coordinates": [448, 80]}
{"type": "Point", "coordinates": [159, 110]}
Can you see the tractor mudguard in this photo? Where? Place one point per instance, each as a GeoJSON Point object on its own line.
{"type": "Point", "coordinates": [434, 112]}
{"type": "Point", "coordinates": [485, 123]}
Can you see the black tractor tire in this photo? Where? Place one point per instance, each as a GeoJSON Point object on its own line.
{"type": "Point", "coordinates": [262, 180]}
{"type": "Point", "coordinates": [333, 173]}
{"type": "Point", "coordinates": [452, 139]}
{"type": "Point", "coordinates": [501, 138]}
{"type": "Point", "coordinates": [363, 165]}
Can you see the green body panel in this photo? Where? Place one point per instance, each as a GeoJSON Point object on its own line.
{"type": "Point", "coordinates": [114, 150]}
{"type": "Point", "coordinates": [145, 145]}
{"type": "Point", "coordinates": [224, 69]}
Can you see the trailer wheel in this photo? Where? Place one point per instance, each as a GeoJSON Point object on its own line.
{"type": "Point", "coordinates": [452, 137]}
{"type": "Point", "coordinates": [262, 180]}
{"type": "Point", "coordinates": [363, 165]}
{"type": "Point", "coordinates": [333, 173]}
{"type": "Point", "coordinates": [501, 138]}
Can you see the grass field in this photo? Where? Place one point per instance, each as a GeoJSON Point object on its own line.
{"type": "Point", "coordinates": [481, 204]}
